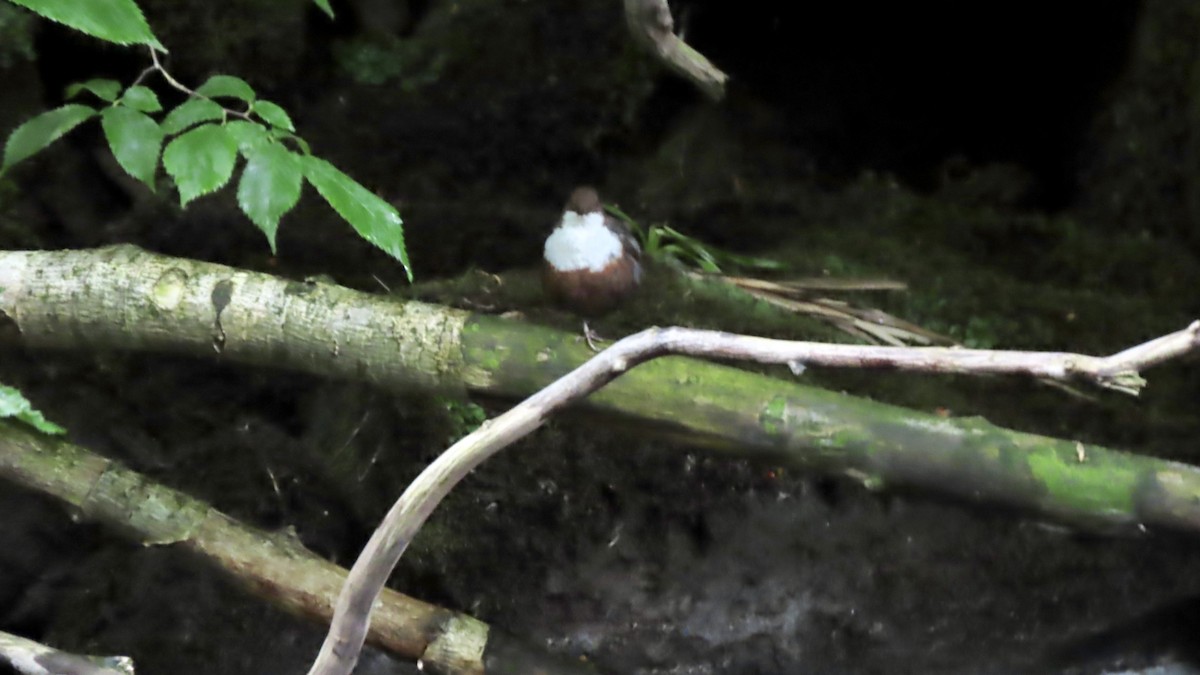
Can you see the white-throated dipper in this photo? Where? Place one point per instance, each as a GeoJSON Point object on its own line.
{"type": "Point", "coordinates": [591, 261]}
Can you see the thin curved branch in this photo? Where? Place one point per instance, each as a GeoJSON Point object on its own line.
{"type": "Point", "coordinates": [352, 612]}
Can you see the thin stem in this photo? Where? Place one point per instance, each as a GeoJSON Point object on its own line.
{"type": "Point", "coordinates": [190, 92]}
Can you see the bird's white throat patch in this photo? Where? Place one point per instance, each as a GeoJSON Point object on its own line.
{"type": "Point", "coordinates": [582, 242]}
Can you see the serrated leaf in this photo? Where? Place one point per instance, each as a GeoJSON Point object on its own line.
{"type": "Point", "coordinates": [273, 114]}
{"type": "Point", "coordinates": [14, 405]}
{"type": "Point", "coordinates": [106, 90]}
{"type": "Point", "coordinates": [249, 135]}
{"type": "Point", "coordinates": [200, 161]}
{"type": "Point", "coordinates": [374, 219]}
{"type": "Point", "coordinates": [118, 21]}
{"type": "Point", "coordinates": [190, 113]}
{"type": "Point", "coordinates": [43, 130]}
{"type": "Point", "coordinates": [135, 140]}
{"type": "Point", "coordinates": [324, 5]}
{"type": "Point", "coordinates": [270, 187]}
{"type": "Point", "coordinates": [218, 86]}
{"type": "Point", "coordinates": [280, 134]}
{"type": "Point", "coordinates": [142, 99]}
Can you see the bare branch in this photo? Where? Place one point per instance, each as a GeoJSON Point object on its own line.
{"type": "Point", "coordinates": [273, 566]}
{"type": "Point", "coordinates": [651, 25]}
{"type": "Point", "coordinates": [352, 614]}
{"type": "Point", "coordinates": [34, 658]}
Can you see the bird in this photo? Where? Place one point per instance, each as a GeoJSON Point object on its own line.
{"type": "Point", "coordinates": [591, 261]}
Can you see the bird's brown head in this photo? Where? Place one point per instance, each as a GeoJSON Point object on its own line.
{"type": "Point", "coordinates": [584, 200]}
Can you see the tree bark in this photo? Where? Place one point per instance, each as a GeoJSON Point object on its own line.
{"type": "Point", "coordinates": [127, 299]}
{"type": "Point", "coordinates": [651, 25]}
{"type": "Point", "coordinates": [272, 566]}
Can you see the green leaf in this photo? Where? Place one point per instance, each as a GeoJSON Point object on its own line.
{"type": "Point", "coordinates": [249, 135]}
{"type": "Point", "coordinates": [699, 254]}
{"type": "Point", "coordinates": [135, 140]}
{"type": "Point", "coordinates": [270, 186]}
{"type": "Point", "coordinates": [229, 86]}
{"type": "Point", "coordinates": [273, 114]}
{"type": "Point", "coordinates": [616, 211]}
{"type": "Point", "coordinates": [190, 113]}
{"type": "Point", "coordinates": [324, 5]}
{"type": "Point", "coordinates": [106, 90]}
{"type": "Point", "coordinates": [375, 220]}
{"type": "Point", "coordinates": [653, 239]}
{"type": "Point", "coordinates": [13, 404]}
{"type": "Point", "coordinates": [43, 130]}
{"type": "Point", "coordinates": [142, 99]}
{"type": "Point", "coordinates": [672, 251]}
{"type": "Point", "coordinates": [118, 21]}
{"type": "Point", "coordinates": [281, 135]}
{"type": "Point", "coordinates": [200, 161]}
